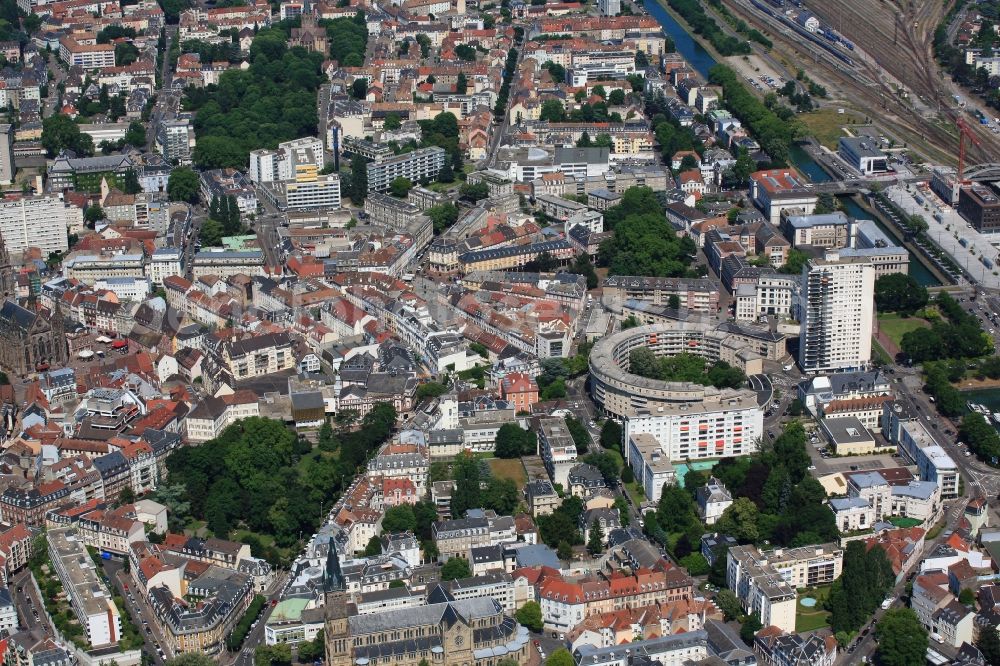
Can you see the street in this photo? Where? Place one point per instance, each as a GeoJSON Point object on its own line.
{"type": "Point", "coordinates": [138, 611]}
{"type": "Point", "coordinates": [30, 609]}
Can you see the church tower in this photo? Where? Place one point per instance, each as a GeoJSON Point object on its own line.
{"type": "Point", "coordinates": [6, 273]}
{"type": "Point", "coordinates": [336, 631]}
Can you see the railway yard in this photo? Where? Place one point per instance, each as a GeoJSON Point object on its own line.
{"type": "Point", "coordinates": [898, 86]}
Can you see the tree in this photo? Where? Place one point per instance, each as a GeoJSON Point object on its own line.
{"type": "Point", "coordinates": [218, 152]}
{"type": "Point", "coordinates": [455, 568]}
{"type": "Point", "coordinates": [474, 192]}
{"type": "Point", "coordinates": [530, 615]}
{"type": "Point", "coordinates": [399, 519]}
{"type": "Point", "coordinates": [867, 577]}
{"type": "Point", "coordinates": [729, 604]}
{"type": "Point", "coordinates": [191, 659]}
{"type": "Point", "coordinates": [374, 547]}
{"type": "Point", "coordinates": [312, 651]}
{"type": "Point", "coordinates": [552, 111]}
{"type": "Point", "coordinates": [400, 187]}
{"type": "Point", "coordinates": [461, 84]}
{"type": "Point", "coordinates": [465, 52]}
{"type": "Point", "coordinates": [902, 640]}
{"type": "Point", "coordinates": [273, 655]}
{"type": "Point", "coordinates": [359, 88]}
{"type": "Point", "coordinates": [468, 480]}
{"type": "Point", "coordinates": [60, 133]}
{"type": "Point", "coordinates": [183, 185]}
{"type": "Point", "coordinates": [130, 183]}
{"type": "Point", "coordinates": [392, 122]}
{"type": "Point", "coordinates": [750, 627]}
{"type": "Point", "coordinates": [512, 441]}
{"type": "Point", "coordinates": [795, 262]}
{"type": "Point", "coordinates": [643, 242]}
{"type": "Point", "coordinates": [617, 97]}
{"type": "Point", "coordinates": [358, 189]}
{"type": "Point", "coordinates": [442, 216]}
{"type": "Point", "coordinates": [989, 644]}
{"type": "Point", "coordinates": [595, 540]}
{"type": "Point", "coordinates": [560, 657]}
{"type": "Point", "coordinates": [136, 134]}
{"type": "Point", "coordinates": [211, 233]}
{"type": "Point", "coordinates": [92, 214]}
{"type": "Point", "coordinates": [674, 302]}
{"type": "Point", "coordinates": [327, 440]}
{"type": "Point", "coordinates": [611, 435]}
{"type": "Point", "coordinates": [446, 174]}
{"type": "Point", "coordinates": [741, 521]}
{"type": "Point", "coordinates": [899, 292]}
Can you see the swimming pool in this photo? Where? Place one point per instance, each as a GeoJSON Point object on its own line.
{"type": "Point", "coordinates": [681, 469]}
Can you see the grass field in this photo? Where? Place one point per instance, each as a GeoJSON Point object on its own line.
{"type": "Point", "coordinates": [811, 619]}
{"type": "Point", "coordinates": [509, 469]}
{"type": "Point", "coordinates": [895, 327]}
{"type": "Point", "coordinates": [827, 125]}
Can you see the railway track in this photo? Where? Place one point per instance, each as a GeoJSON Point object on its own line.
{"type": "Point", "coordinates": [864, 84]}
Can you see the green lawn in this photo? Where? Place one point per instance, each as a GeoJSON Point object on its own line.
{"type": "Point", "coordinates": [811, 619]}
{"type": "Point", "coordinates": [509, 469]}
{"type": "Point", "coordinates": [637, 493]}
{"type": "Point", "coordinates": [827, 125]}
{"type": "Point", "coordinates": [904, 522]}
{"type": "Point", "coordinates": [877, 350]}
{"type": "Point", "coordinates": [895, 327]}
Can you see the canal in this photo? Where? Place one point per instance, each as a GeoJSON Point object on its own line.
{"type": "Point", "coordinates": [917, 270]}
{"type": "Point", "coordinates": [695, 54]}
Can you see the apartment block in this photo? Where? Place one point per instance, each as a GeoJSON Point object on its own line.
{"type": "Point", "coordinates": [84, 51]}
{"type": "Point", "coordinates": [89, 598]}
{"type": "Point", "coordinates": [836, 311]}
{"type": "Point", "coordinates": [763, 589]}
{"type": "Point", "coordinates": [419, 165]}
{"type": "Point", "coordinates": [40, 221]}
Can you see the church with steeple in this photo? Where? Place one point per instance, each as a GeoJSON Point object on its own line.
{"type": "Point", "coordinates": [30, 341]}
{"type": "Point", "coordinates": [311, 36]}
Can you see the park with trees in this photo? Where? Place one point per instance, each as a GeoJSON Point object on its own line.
{"type": "Point", "coordinates": [685, 368]}
{"type": "Point", "coordinates": [261, 484]}
{"type": "Point", "coordinates": [643, 243]}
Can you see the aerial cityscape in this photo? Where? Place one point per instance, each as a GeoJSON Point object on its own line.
{"type": "Point", "coordinates": [499, 332]}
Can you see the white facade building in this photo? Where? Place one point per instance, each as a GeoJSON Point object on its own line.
{"type": "Point", "coordinates": [164, 263]}
{"type": "Point", "coordinates": [836, 310]}
{"type": "Point", "coordinates": [41, 222]}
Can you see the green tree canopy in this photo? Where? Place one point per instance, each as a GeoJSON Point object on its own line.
{"type": "Point", "coordinates": [560, 657]}
{"type": "Point", "coordinates": [530, 615]}
{"type": "Point", "coordinates": [512, 441]}
{"type": "Point", "coordinates": [902, 640]}
{"type": "Point", "coordinates": [899, 292]}
{"type": "Point", "coordinates": [60, 133]}
{"type": "Point", "coordinates": [643, 242]}
{"type": "Point", "coordinates": [183, 185]}
{"type": "Point", "coordinates": [455, 568]}
{"type": "Point", "coordinates": [400, 187]}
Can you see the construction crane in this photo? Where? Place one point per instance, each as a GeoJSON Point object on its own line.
{"type": "Point", "coordinates": [964, 131]}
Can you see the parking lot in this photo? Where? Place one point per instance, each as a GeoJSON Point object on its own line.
{"type": "Point", "coordinates": [950, 232]}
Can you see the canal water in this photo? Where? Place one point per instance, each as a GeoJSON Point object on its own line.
{"type": "Point", "coordinates": [988, 397]}
{"type": "Point", "coordinates": [806, 165]}
{"type": "Point", "coordinates": [695, 54]}
{"type": "Point", "coordinates": [917, 270]}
